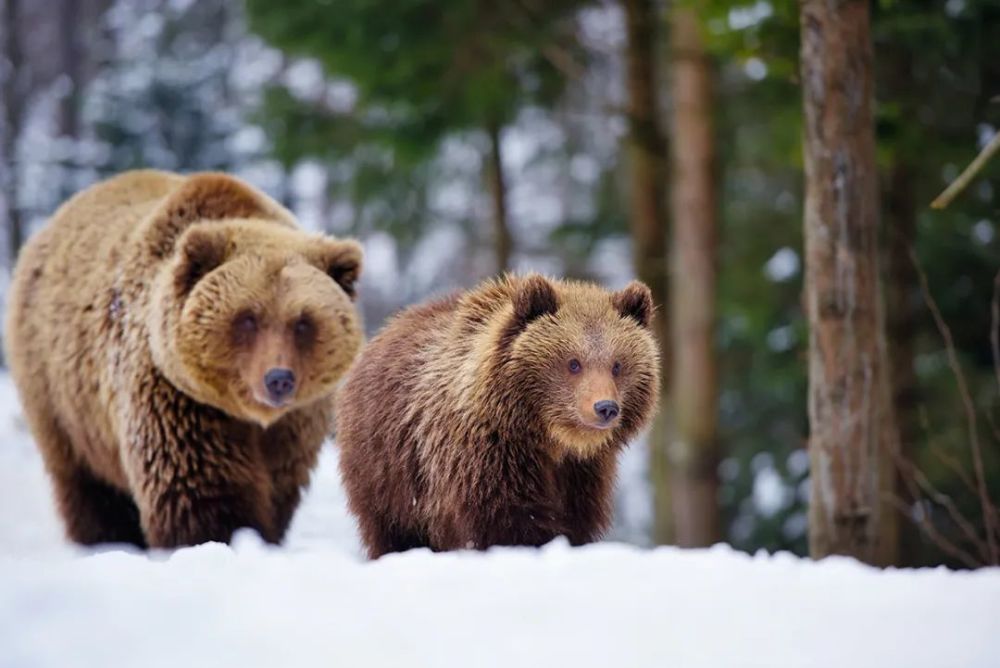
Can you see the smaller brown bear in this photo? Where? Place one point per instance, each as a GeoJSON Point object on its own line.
{"type": "Point", "coordinates": [496, 417]}
{"type": "Point", "coordinates": [176, 341]}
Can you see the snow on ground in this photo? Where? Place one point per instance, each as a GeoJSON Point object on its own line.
{"type": "Point", "coordinates": [316, 602]}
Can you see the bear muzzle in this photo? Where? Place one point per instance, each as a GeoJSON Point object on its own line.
{"type": "Point", "coordinates": [607, 410]}
{"type": "Point", "coordinates": [280, 386]}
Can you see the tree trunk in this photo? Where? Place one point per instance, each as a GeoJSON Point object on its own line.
{"type": "Point", "coordinates": [502, 242]}
{"type": "Point", "coordinates": [648, 221]}
{"type": "Point", "coordinates": [15, 90]}
{"type": "Point", "coordinates": [853, 435]}
{"type": "Point", "coordinates": [694, 455]}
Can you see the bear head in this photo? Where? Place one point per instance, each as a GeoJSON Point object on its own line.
{"type": "Point", "coordinates": [586, 361]}
{"type": "Point", "coordinates": [256, 318]}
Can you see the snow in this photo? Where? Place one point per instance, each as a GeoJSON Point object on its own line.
{"type": "Point", "coordinates": [315, 601]}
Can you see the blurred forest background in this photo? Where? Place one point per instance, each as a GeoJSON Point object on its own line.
{"type": "Point", "coordinates": [601, 140]}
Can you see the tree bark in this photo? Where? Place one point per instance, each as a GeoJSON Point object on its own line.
{"type": "Point", "coordinates": [648, 221]}
{"type": "Point", "coordinates": [694, 454]}
{"type": "Point", "coordinates": [853, 438]}
{"type": "Point", "coordinates": [15, 90]}
{"type": "Point", "coordinates": [502, 242]}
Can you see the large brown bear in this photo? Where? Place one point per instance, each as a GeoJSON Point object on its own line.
{"type": "Point", "coordinates": [176, 341]}
{"type": "Point", "coordinates": [496, 417]}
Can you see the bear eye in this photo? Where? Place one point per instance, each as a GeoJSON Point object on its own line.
{"type": "Point", "coordinates": [303, 329]}
{"type": "Point", "coordinates": [616, 369]}
{"type": "Point", "coordinates": [574, 366]}
{"type": "Point", "coordinates": [245, 326]}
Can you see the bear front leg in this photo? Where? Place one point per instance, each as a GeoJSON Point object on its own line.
{"type": "Point", "coordinates": [196, 478]}
{"type": "Point", "coordinates": [180, 515]}
{"type": "Point", "coordinates": [92, 511]}
{"type": "Point", "coordinates": [511, 503]}
{"type": "Point", "coordinates": [532, 524]}
{"type": "Point", "coordinates": [95, 512]}
{"type": "Point", "coordinates": [587, 493]}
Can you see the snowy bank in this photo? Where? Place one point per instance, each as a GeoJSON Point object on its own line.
{"type": "Point", "coordinates": [603, 605]}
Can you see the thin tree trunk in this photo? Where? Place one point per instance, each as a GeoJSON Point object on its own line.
{"type": "Point", "coordinates": [71, 31]}
{"type": "Point", "coordinates": [14, 88]}
{"type": "Point", "coordinates": [648, 221]}
{"type": "Point", "coordinates": [853, 435]}
{"type": "Point", "coordinates": [502, 242]}
{"type": "Point", "coordinates": [903, 299]}
{"type": "Point", "coordinates": [901, 321]}
{"type": "Point", "coordinates": [694, 453]}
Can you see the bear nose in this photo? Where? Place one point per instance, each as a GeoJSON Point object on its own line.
{"type": "Point", "coordinates": [280, 383]}
{"type": "Point", "coordinates": [607, 409]}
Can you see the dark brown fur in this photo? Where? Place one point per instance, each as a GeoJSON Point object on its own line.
{"type": "Point", "coordinates": [141, 392]}
{"type": "Point", "coordinates": [460, 425]}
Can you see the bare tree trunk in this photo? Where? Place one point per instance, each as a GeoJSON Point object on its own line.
{"type": "Point", "coordinates": [502, 242]}
{"type": "Point", "coordinates": [853, 435]}
{"type": "Point", "coordinates": [694, 455]}
{"type": "Point", "coordinates": [648, 220]}
{"type": "Point", "coordinates": [15, 91]}
{"type": "Point", "coordinates": [71, 64]}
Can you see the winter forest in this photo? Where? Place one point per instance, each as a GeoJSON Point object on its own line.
{"type": "Point", "coordinates": [809, 191]}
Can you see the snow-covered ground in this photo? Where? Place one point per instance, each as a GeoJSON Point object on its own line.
{"type": "Point", "coordinates": [316, 602]}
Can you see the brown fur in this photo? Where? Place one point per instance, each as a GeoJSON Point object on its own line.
{"type": "Point", "coordinates": [461, 425]}
{"type": "Point", "coordinates": [129, 339]}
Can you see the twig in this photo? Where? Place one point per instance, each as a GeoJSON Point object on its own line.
{"type": "Point", "coordinates": [963, 180]}
{"type": "Point", "coordinates": [995, 348]}
{"type": "Point", "coordinates": [946, 502]}
{"type": "Point", "coordinates": [995, 328]}
{"type": "Point", "coordinates": [915, 480]}
{"type": "Point", "coordinates": [955, 467]}
{"type": "Point", "coordinates": [985, 502]}
{"type": "Point", "coordinates": [936, 536]}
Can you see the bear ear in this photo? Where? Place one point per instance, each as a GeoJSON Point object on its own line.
{"type": "Point", "coordinates": [634, 301]}
{"type": "Point", "coordinates": [342, 262]}
{"type": "Point", "coordinates": [535, 297]}
{"type": "Point", "coordinates": [208, 196]}
{"type": "Point", "coordinates": [202, 249]}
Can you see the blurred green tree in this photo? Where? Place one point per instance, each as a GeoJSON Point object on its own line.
{"type": "Point", "coordinates": [423, 70]}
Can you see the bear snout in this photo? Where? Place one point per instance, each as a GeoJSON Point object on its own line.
{"type": "Point", "coordinates": [280, 384]}
{"type": "Point", "coordinates": [607, 410]}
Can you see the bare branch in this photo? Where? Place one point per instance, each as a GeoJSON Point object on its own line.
{"type": "Point", "coordinates": [995, 326]}
{"type": "Point", "coordinates": [936, 536]}
{"type": "Point", "coordinates": [963, 524]}
{"type": "Point", "coordinates": [963, 180]}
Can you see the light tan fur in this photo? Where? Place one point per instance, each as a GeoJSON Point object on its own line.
{"type": "Point", "coordinates": [143, 395]}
